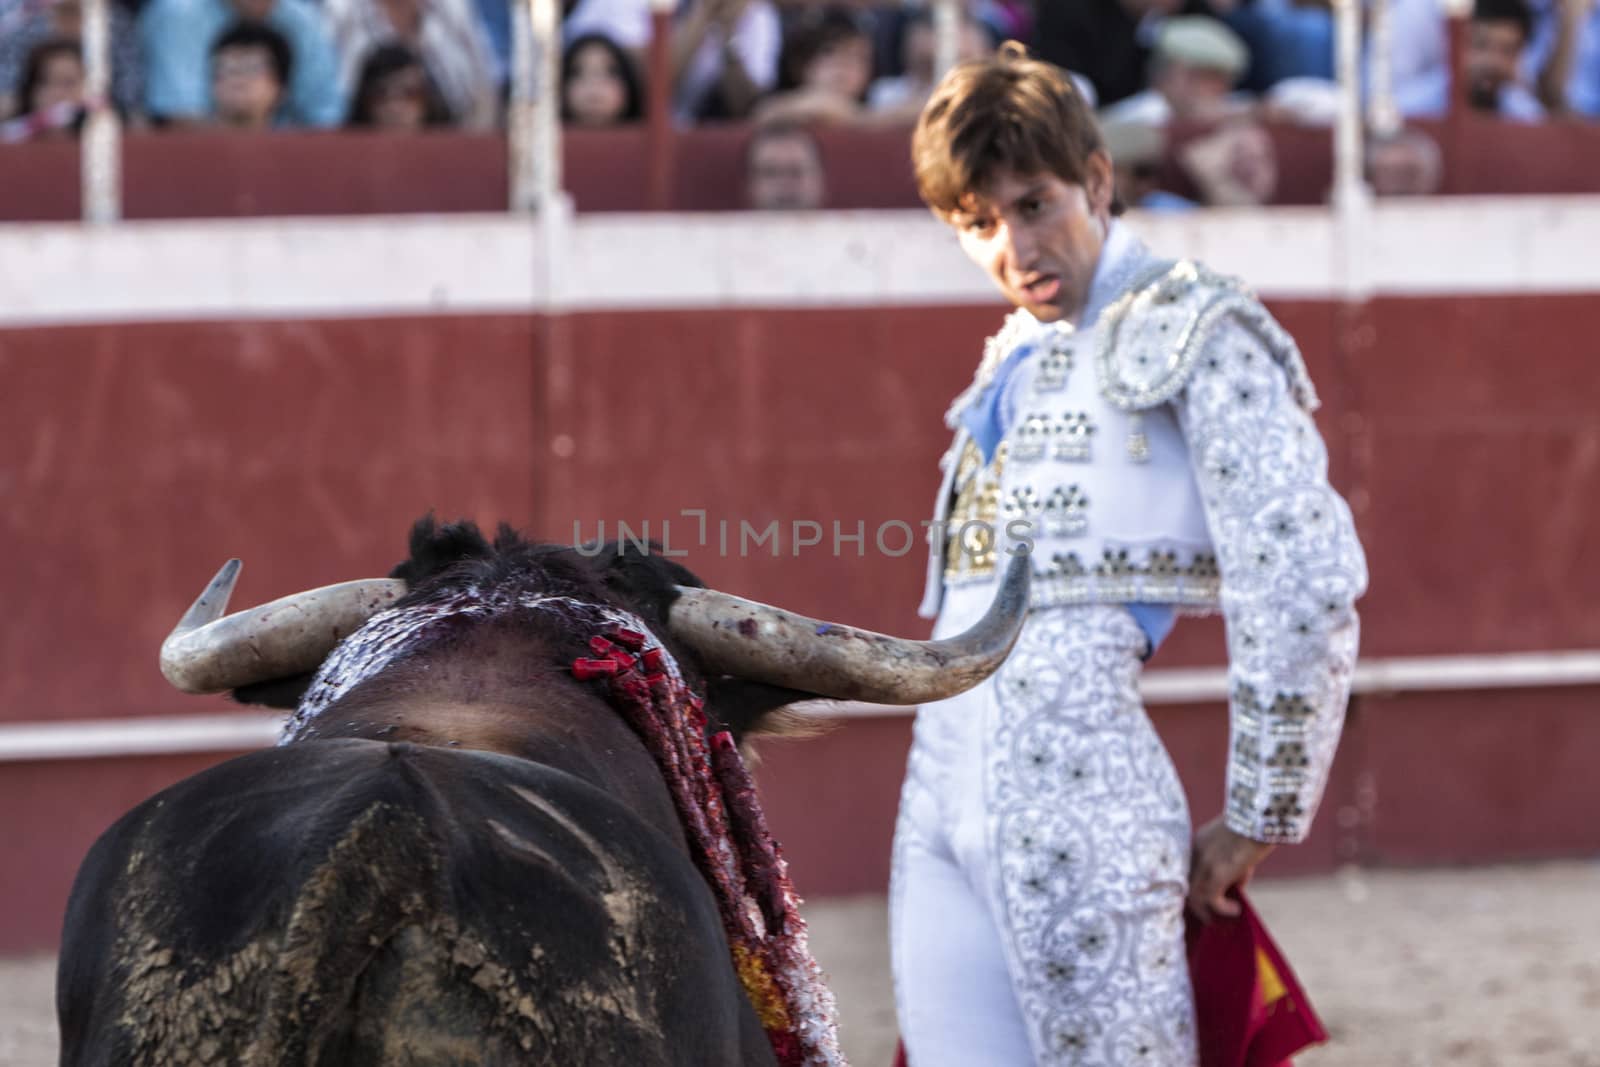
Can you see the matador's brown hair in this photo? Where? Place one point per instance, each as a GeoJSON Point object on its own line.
{"type": "Point", "coordinates": [1006, 111]}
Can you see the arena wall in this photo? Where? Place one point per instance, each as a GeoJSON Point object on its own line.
{"type": "Point", "coordinates": [296, 392]}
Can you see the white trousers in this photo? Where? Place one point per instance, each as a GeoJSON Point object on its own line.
{"type": "Point", "coordinates": [1041, 862]}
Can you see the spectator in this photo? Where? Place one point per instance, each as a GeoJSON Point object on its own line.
{"type": "Point", "coordinates": [494, 19]}
{"type": "Point", "coordinates": [626, 22]}
{"type": "Point", "coordinates": [1419, 57]}
{"type": "Point", "coordinates": [783, 169]}
{"type": "Point", "coordinates": [1561, 34]}
{"type": "Point", "coordinates": [1234, 165]}
{"type": "Point", "coordinates": [1305, 101]}
{"type": "Point", "coordinates": [178, 35]}
{"type": "Point", "coordinates": [1496, 36]}
{"type": "Point", "coordinates": [1286, 38]}
{"type": "Point", "coordinates": [725, 56]}
{"type": "Point", "coordinates": [823, 72]}
{"type": "Point", "coordinates": [901, 96]}
{"type": "Point", "coordinates": [445, 33]}
{"type": "Point", "coordinates": [50, 93]}
{"type": "Point", "coordinates": [1106, 41]}
{"type": "Point", "coordinates": [1011, 20]}
{"type": "Point", "coordinates": [1000, 20]}
{"type": "Point", "coordinates": [1196, 62]}
{"type": "Point", "coordinates": [599, 84]}
{"type": "Point", "coordinates": [1405, 164]}
{"type": "Point", "coordinates": [724, 52]}
{"type": "Point", "coordinates": [394, 92]}
{"type": "Point", "coordinates": [1576, 74]}
{"type": "Point", "coordinates": [250, 67]}
{"type": "Point", "coordinates": [26, 23]}
{"type": "Point", "coordinates": [1138, 152]}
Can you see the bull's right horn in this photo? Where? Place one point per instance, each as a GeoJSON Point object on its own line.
{"type": "Point", "coordinates": [210, 653]}
{"type": "Point", "coordinates": [767, 644]}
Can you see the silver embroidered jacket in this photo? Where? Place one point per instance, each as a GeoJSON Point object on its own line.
{"type": "Point", "coordinates": [1164, 453]}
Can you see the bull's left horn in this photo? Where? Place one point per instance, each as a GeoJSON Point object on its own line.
{"type": "Point", "coordinates": [766, 644]}
{"type": "Point", "coordinates": [209, 653]}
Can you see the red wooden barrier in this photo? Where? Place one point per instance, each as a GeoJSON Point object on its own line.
{"type": "Point", "coordinates": [218, 175]}
{"type": "Point", "coordinates": [133, 459]}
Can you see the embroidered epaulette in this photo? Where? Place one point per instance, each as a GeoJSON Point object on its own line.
{"type": "Point", "coordinates": [1153, 335]}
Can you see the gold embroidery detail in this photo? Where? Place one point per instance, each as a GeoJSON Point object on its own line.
{"type": "Point", "coordinates": [971, 532]}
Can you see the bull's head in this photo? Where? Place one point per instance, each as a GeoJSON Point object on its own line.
{"type": "Point", "coordinates": [744, 641]}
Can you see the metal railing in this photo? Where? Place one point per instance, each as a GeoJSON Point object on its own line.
{"type": "Point", "coordinates": [1350, 191]}
{"type": "Point", "coordinates": [533, 123]}
{"type": "Point", "coordinates": [1383, 117]}
{"type": "Point", "coordinates": [100, 149]}
{"type": "Point", "coordinates": [946, 35]}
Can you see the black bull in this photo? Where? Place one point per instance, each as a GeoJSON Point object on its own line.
{"type": "Point", "coordinates": [467, 858]}
{"type": "Point", "coordinates": [362, 902]}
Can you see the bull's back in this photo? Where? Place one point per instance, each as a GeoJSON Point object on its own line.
{"type": "Point", "coordinates": [353, 902]}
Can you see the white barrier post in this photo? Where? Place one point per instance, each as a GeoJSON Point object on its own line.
{"type": "Point", "coordinates": [1383, 117]}
{"type": "Point", "coordinates": [533, 127]}
{"type": "Point", "coordinates": [99, 150]}
{"type": "Point", "coordinates": [1352, 197]}
{"type": "Point", "coordinates": [520, 119]}
{"type": "Point", "coordinates": [946, 36]}
{"type": "Point", "coordinates": [1349, 184]}
{"type": "Point", "coordinates": [547, 103]}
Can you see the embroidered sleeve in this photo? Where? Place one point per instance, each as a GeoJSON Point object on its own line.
{"type": "Point", "coordinates": [1291, 567]}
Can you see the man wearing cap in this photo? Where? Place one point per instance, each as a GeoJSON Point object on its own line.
{"type": "Point", "coordinates": [1195, 65]}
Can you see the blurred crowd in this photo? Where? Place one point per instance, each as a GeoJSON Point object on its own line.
{"type": "Point", "coordinates": [786, 66]}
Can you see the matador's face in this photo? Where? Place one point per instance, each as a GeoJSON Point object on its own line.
{"type": "Point", "coordinates": [1039, 237]}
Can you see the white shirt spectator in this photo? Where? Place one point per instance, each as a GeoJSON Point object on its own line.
{"type": "Point", "coordinates": [1419, 49]}
{"type": "Point", "coordinates": [894, 91]}
{"type": "Point", "coordinates": [1150, 108]}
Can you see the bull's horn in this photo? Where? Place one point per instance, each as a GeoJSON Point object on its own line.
{"type": "Point", "coordinates": [208, 653]}
{"type": "Point", "coordinates": [767, 644]}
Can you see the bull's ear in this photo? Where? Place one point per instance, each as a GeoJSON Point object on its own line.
{"type": "Point", "coordinates": [751, 709]}
{"type": "Point", "coordinates": [276, 693]}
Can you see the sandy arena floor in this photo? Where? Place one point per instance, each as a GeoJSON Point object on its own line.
{"type": "Point", "coordinates": [1483, 968]}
